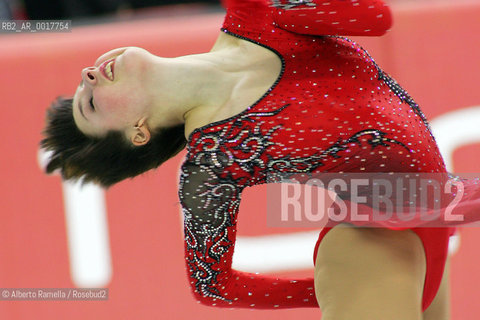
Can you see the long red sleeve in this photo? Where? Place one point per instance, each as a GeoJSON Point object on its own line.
{"type": "Point", "coordinates": [210, 205]}
{"type": "Point", "coordinates": [324, 17]}
{"type": "Point", "coordinates": [334, 17]}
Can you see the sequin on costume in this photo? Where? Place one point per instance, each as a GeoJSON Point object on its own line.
{"type": "Point", "coordinates": [292, 3]}
{"type": "Point", "coordinates": [332, 109]}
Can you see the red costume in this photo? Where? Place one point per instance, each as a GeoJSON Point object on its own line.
{"type": "Point", "coordinates": [332, 109]}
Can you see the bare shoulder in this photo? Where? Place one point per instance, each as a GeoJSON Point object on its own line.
{"type": "Point", "coordinates": [247, 71]}
{"type": "Point", "coordinates": [225, 40]}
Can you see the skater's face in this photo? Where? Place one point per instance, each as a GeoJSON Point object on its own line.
{"type": "Point", "coordinates": [111, 94]}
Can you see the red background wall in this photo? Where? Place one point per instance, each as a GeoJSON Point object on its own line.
{"type": "Point", "coordinates": [432, 51]}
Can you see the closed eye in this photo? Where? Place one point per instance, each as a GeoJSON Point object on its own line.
{"type": "Point", "coordinates": [91, 104]}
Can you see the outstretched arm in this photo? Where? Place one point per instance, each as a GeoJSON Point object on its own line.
{"type": "Point", "coordinates": [333, 17]}
{"type": "Point", "coordinates": [210, 206]}
{"type": "Point", "coordinates": [323, 17]}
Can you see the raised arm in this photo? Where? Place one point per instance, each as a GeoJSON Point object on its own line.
{"type": "Point", "coordinates": [333, 17]}
{"type": "Point", "coordinates": [322, 17]}
{"type": "Point", "coordinates": [210, 206]}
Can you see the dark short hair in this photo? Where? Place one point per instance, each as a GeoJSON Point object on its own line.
{"type": "Point", "coordinates": [106, 160]}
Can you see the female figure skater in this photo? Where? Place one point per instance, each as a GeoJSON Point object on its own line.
{"type": "Point", "coordinates": [280, 91]}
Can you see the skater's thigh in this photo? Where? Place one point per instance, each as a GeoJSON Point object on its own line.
{"type": "Point", "coordinates": [370, 273]}
{"type": "Point", "coordinates": [439, 309]}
